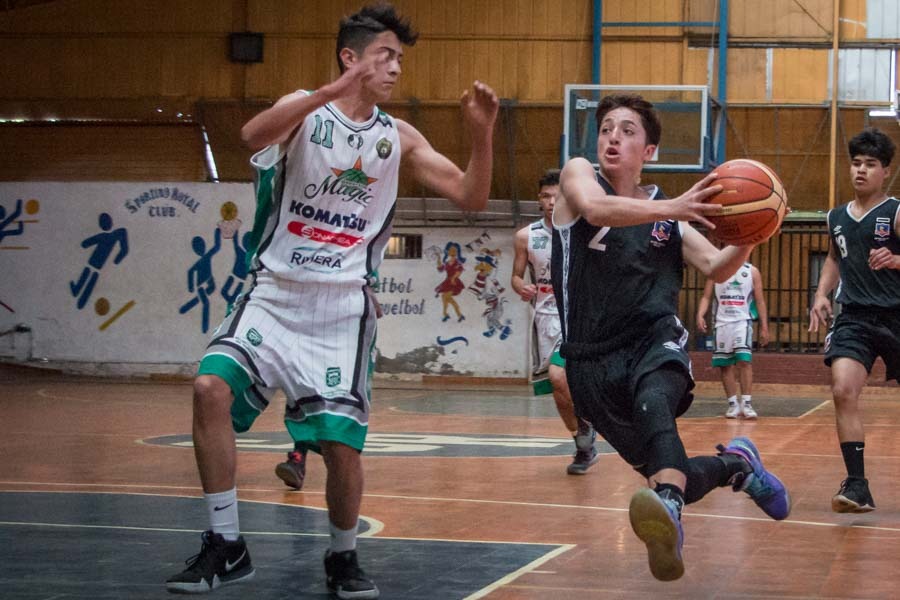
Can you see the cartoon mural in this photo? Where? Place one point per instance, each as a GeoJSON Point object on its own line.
{"type": "Point", "coordinates": [104, 243]}
{"type": "Point", "coordinates": [11, 223]}
{"type": "Point", "coordinates": [489, 290]}
{"type": "Point", "coordinates": [200, 279]}
{"type": "Point", "coordinates": [451, 264]}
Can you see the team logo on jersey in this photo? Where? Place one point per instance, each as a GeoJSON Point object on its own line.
{"type": "Point", "coordinates": [254, 337]}
{"type": "Point", "coordinates": [351, 185]}
{"type": "Point", "coordinates": [319, 260]}
{"type": "Point", "coordinates": [662, 231]}
{"type": "Point", "coordinates": [882, 229]}
{"type": "Point", "coordinates": [355, 141]}
{"type": "Point", "coordinates": [384, 148]}
{"type": "Point", "coordinates": [332, 376]}
{"type": "Point", "coordinates": [322, 235]}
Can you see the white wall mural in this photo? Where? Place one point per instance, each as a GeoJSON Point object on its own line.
{"type": "Point", "coordinates": [141, 274]}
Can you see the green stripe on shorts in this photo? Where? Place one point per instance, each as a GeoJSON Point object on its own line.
{"type": "Point", "coordinates": [542, 387]}
{"type": "Point", "coordinates": [325, 427]}
{"type": "Point", "coordinates": [221, 365]}
{"type": "Point", "coordinates": [557, 359]}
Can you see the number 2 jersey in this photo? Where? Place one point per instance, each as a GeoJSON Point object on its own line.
{"type": "Point", "coordinates": [852, 239]}
{"type": "Point", "coordinates": [613, 283]}
{"type": "Point", "coordinates": [325, 203]}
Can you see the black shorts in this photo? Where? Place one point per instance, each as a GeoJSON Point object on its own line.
{"type": "Point", "coordinates": [603, 387]}
{"type": "Point", "coordinates": [864, 334]}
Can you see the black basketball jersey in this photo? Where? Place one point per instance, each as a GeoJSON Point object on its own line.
{"type": "Point", "coordinates": [613, 283]}
{"type": "Point", "coordinates": [852, 239]}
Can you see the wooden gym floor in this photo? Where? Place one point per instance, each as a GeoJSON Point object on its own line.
{"type": "Point", "coordinates": [466, 497]}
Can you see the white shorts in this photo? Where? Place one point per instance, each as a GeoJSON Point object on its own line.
{"type": "Point", "coordinates": [547, 339]}
{"type": "Point", "coordinates": [734, 342]}
{"type": "Point", "coordinates": [314, 342]}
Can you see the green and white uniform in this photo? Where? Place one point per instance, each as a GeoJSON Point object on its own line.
{"type": "Point", "coordinates": [546, 331]}
{"type": "Point", "coordinates": [325, 203]}
{"type": "Point", "coordinates": [735, 311]}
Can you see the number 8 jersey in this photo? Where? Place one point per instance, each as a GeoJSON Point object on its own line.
{"type": "Point", "coordinates": [325, 203]}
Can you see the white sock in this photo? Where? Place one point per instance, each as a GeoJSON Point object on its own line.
{"type": "Point", "coordinates": [342, 539]}
{"type": "Point", "coordinates": [732, 400]}
{"type": "Point", "coordinates": [223, 513]}
{"type": "Point", "coordinates": [745, 399]}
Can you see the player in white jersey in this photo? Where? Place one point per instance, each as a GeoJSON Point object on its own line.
{"type": "Point", "coordinates": [326, 187]}
{"type": "Point", "coordinates": [738, 302]}
{"type": "Point", "coordinates": [532, 247]}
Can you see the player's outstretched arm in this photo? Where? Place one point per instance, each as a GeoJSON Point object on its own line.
{"type": "Point", "coordinates": [820, 312]}
{"type": "Point", "coordinates": [716, 264]}
{"type": "Point", "coordinates": [277, 124]}
{"type": "Point", "coordinates": [586, 197]}
{"type": "Point", "coordinates": [469, 190]}
{"type": "Point", "coordinates": [703, 305]}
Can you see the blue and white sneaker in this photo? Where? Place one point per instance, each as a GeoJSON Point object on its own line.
{"type": "Point", "coordinates": [657, 522]}
{"type": "Point", "coordinates": [762, 486]}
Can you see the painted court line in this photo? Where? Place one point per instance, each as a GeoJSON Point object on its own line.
{"type": "Point", "coordinates": [459, 500]}
{"type": "Point", "coordinates": [519, 572]}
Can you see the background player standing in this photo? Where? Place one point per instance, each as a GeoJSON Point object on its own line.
{"type": "Point", "coordinates": [863, 262]}
{"type": "Point", "coordinates": [532, 247]}
{"type": "Point", "coordinates": [738, 301]}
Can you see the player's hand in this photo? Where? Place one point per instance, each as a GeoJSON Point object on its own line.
{"type": "Point", "coordinates": [701, 323]}
{"type": "Point", "coordinates": [353, 79]}
{"type": "Point", "coordinates": [692, 205]}
{"type": "Point", "coordinates": [881, 258]}
{"type": "Point", "coordinates": [820, 313]}
{"type": "Point", "coordinates": [479, 107]}
{"type": "Point", "coordinates": [763, 337]}
{"type": "Point", "coordinates": [527, 292]}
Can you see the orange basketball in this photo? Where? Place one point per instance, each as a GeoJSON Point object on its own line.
{"type": "Point", "coordinates": [753, 202]}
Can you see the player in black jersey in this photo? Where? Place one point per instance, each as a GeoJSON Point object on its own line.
{"type": "Point", "coordinates": [864, 263]}
{"type": "Point", "coordinates": [618, 258]}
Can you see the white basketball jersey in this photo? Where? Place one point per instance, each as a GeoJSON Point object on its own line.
{"type": "Point", "coordinates": [734, 297]}
{"type": "Point", "coordinates": [539, 245]}
{"type": "Point", "coordinates": [325, 205]}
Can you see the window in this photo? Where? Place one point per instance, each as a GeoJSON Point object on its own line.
{"type": "Point", "coordinates": [404, 245]}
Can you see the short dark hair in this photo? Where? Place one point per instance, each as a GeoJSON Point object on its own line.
{"type": "Point", "coordinates": [649, 116]}
{"type": "Point", "coordinates": [872, 142]}
{"type": "Point", "coordinates": [550, 177]}
{"type": "Point", "coordinates": [357, 30]}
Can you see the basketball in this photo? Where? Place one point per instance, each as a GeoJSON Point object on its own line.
{"type": "Point", "coordinates": [753, 202]}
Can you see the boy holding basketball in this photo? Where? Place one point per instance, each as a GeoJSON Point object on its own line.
{"type": "Point", "coordinates": [327, 172]}
{"type": "Point", "coordinates": [864, 264]}
{"type": "Point", "coordinates": [618, 252]}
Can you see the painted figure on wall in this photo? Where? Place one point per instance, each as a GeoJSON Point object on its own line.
{"type": "Point", "coordinates": [200, 277]}
{"type": "Point", "coordinates": [490, 293]}
{"type": "Point", "coordinates": [451, 264]}
{"type": "Point", "coordinates": [104, 243]}
{"type": "Point", "coordinates": [239, 271]}
{"type": "Point", "coordinates": [14, 227]}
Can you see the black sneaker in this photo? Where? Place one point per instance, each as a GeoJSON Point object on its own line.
{"type": "Point", "coordinates": [853, 497]}
{"type": "Point", "coordinates": [293, 471]}
{"type": "Point", "coordinates": [219, 563]}
{"type": "Point", "coordinates": [585, 452]}
{"type": "Point", "coordinates": [344, 577]}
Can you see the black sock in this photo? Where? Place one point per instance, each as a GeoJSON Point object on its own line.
{"type": "Point", "coordinates": [706, 473]}
{"type": "Point", "coordinates": [669, 491]}
{"type": "Point", "coordinates": [853, 459]}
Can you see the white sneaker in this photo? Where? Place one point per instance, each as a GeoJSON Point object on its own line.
{"type": "Point", "coordinates": [748, 412]}
{"type": "Point", "coordinates": [734, 411]}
